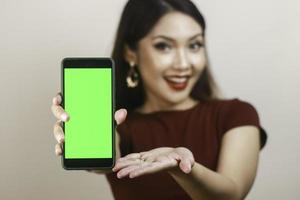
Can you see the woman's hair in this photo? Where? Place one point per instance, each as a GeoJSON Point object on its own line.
{"type": "Point", "coordinates": [137, 20]}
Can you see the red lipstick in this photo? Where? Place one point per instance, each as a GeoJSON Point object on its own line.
{"type": "Point", "coordinates": [177, 83]}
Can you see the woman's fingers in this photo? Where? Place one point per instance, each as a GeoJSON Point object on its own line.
{"type": "Point", "coordinates": [146, 169]}
{"type": "Point", "coordinates": [60, 113]}
{"type": "Point", "coordinates": [133, 158]}
{"type": "Point", "coordinates": [137, 167]}
{"type": "Point", "coordinates": [124, 172]}
{"type": "Point", "coordinates": [186, 159]}
{"type": "Point", "coordinates": [57, 99]}
{"type": "Point", "coordinates": [57, 110]}
{"type": "Point", "coordinates": [130, 156]}
{"type": "Point", "coordinates": [149, 168]}
{"type": "Point", "coordinates": [185, 165]}
{"type": "Point", "coordinates": [58, 150]}
{"type": "Point", "coordinates": [120, 115]}
{"type": "Point", "coordinates": [148, 162]}
{"type": "Point", "coordinates": [59, 136]}
{"type": "Point", "coordinates": [58, 132]}
{"type": "Point", "coordinates": [123, 164]}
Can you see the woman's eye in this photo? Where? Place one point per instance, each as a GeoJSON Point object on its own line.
{"type": "Point", "coordinates": [195, 46]}
{"type": "Point", "coordinates": [162, 46]}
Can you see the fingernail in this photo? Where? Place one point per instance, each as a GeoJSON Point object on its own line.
{"type": "Point", "coordinates": [64, 117]}
{"type": "Point", "coordinates": [187, 169]}
{"type": "Point", "coordinates": [122, 113]}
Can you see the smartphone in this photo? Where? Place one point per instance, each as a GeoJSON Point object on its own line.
{"type": "Point", "coordinates": [88, 97]}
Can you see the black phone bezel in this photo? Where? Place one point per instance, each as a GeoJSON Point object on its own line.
{"type": "Point", "coordinates": [92, 163]}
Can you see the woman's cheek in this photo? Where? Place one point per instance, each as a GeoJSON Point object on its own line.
{"type": "Point", "coordinates": [163, 61]}
{"type": "Point", "coordinates": [199, 60]}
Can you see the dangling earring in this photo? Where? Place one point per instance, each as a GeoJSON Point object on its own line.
{"type": "Point", "coordinates": [132, 78]}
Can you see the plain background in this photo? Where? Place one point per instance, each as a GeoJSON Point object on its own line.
{"type": "Point", "coordinates": [254, 49]}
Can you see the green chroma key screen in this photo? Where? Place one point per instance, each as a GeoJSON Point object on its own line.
{"type": "Point", "coordinates": [88, 100]}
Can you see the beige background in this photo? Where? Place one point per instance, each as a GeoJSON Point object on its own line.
{"type": "Point", "coordinates": [254, 49]}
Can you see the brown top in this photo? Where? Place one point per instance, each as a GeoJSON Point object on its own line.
{"type": "Point", "coordinates": [200, 129]}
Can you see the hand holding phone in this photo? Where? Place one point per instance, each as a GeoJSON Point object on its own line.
{"type": "Point", "coordinates": [83, 77]}
{"type": "Point", "coordinates": [61, 115]}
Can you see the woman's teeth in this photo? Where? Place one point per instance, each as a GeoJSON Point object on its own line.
{"type": "Point", "coordinates": [177, 82]}
{"type": "Point", "coordinates": [177, 79]}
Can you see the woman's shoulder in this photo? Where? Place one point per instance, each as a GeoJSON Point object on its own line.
{"type": "Point", "coordinates": [236, 112]}
{"type": "Point", "coordinates": [229, 103]}
{"type": "Point", "coordinates": [224, 108]}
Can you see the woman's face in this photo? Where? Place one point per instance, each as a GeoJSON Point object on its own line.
{"type": "Point", "coordinates": [171, 58]}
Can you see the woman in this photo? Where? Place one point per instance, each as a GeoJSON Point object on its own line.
{"type": "Point", "coordinates": [179, 141]}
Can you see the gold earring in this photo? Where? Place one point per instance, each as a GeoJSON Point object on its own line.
{"type": "Point", "coordinates": [132, 78]}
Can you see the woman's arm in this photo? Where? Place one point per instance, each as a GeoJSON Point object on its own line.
{"type": "Point", "coordinates": [236, 168]}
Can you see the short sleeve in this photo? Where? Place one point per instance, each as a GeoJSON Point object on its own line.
{"type": "Point", "coordinates": [234, 113]}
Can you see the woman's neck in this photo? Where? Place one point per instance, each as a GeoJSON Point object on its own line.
{"type": "Point", "coordinates": [154, 106]}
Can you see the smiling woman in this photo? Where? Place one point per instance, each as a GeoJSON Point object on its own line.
{"type": "Point", "coordinates": [179, 140]}
{"type": "Point", "coordinates": [170, 61]}
{"type": "Point", "coordinates": [167, 36]}
{"type": "Point", "coordinates": [168, 64]}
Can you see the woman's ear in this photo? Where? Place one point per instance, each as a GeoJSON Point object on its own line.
{"type": "Point", "coordinates": [130, 55]}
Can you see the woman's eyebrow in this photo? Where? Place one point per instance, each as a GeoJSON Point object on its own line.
{"type": "Point", "coordinates": [172, 39]}
{"type": "Point", "coordinates": [197, 35]}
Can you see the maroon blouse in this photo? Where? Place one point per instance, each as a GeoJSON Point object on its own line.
{"type": "Point", "coordinates": [200, 129]}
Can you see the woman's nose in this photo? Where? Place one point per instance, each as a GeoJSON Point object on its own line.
{"type": "Point", "coordinates": [181, 60]}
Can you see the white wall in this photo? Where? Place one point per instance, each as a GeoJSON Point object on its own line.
{"type": "Point", "coordinates": [253, 47]}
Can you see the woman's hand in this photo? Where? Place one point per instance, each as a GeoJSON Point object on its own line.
{"type": "Point", "coordinates": [159, 159]}
{"type": "Point", "coordinates": [62, 116]}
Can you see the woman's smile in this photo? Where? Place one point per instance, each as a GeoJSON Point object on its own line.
{"type": "Point", "coordinates": [177, 82]}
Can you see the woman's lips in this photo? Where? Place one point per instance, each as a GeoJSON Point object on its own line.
{"type": "Point", "coordinates": [177, 82]}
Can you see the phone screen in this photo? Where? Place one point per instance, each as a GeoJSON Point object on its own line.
{"type": "Point", "coordinates": [88, 101]}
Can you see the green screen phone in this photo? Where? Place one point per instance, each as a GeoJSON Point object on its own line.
{"type": "Point", "coordinates": [88, 98]}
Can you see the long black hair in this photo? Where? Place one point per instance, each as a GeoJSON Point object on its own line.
{"type": "Point", "coordinates": [137, 20]}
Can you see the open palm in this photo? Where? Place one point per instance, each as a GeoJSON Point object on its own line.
{"type": "Point", "coordinates": [155, 160]}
